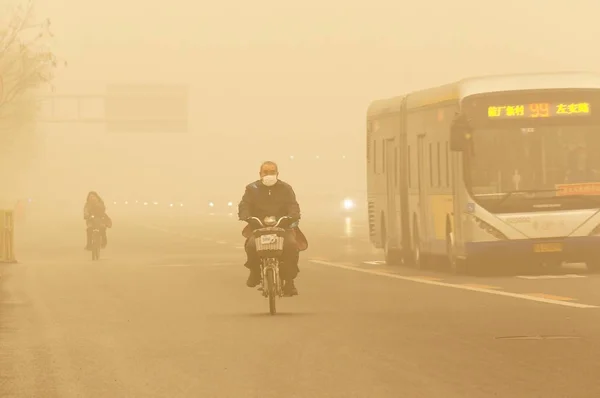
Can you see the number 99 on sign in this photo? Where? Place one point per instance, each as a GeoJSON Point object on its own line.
{"type": "Point", "coordinates": [539, 110]}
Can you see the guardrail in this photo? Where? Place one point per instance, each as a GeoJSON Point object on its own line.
{"type": "Point", "coordinates": [7, 233]}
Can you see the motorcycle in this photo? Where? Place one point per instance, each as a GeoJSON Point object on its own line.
{"type": "Point", "coordinates": [269, 247]}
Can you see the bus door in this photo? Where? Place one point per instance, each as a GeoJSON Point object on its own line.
{"type": "Point", "coordinates": [423, 189]}
{"type": "Point", "coordinates": [391, 172]}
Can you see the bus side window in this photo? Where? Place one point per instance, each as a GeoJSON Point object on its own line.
{"type": "Point", "coordinates": [409, 170]}
{"type": "Point", "coordinates": [430, 166]}
{"type": "Point", "coordinates": [374, 156]}
{"type": "Point", "coordinates": [447, 165]}
{"type": "Point", "coordinates": [439, 166]}
{"type": "Point", "coordinates": [396, 167]}
{"type": "Point", "coordinates": [369, 130]}
{"type": "Point", "coordinates": [383, 150]}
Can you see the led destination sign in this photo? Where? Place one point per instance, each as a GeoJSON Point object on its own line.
{"type": "Point", "coordinates": [539, 110]}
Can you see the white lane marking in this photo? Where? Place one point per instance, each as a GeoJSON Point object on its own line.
{"type": "Point", "coordinates": [568, 276]}
{"type": "Point", "coordinates": [455, 286]}
{"type": "Point", "coordinates": [240, 247]}
{"type": "Point", "coordinates": [173, 265]}
{"type": "Point", "coordinates": [378, 262]}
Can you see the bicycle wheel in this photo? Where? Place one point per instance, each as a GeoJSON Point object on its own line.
{"type": "Point", "coordinates": [95, 246]}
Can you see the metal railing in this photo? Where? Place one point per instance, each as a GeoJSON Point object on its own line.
{"type": "Point", "coordinates": [7, 233]}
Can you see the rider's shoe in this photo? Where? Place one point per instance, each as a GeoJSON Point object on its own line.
{"type": "Point", "coordinates": [289, 289]}
{"type": "Point", "coordinates": [253, 279]}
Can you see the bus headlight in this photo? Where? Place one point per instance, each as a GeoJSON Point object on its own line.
{"type": "Point", "coordinates": [490, 229]}
{"type": "Point", "coordinates": [595, 231]}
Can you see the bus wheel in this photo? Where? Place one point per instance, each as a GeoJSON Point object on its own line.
{"type": "Point", "coordinates": [393, 256]}
{"type": "Point", "coordinates": [417, 257]}
{"type": "Point", "coordinates": [457, 266]}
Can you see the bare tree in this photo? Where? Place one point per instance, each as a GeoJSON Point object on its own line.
{"type": "Point", "coordinates": [26, 65]}
{"type": "Point", "coordinates": [26, 61]}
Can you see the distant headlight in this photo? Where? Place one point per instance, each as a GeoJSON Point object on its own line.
{"type": "Point", "coordinates": [229, 204]}
{"type": "Point", "coordinates": [348, 204]}
{"type": "Point", "coordinates": [211, 204]}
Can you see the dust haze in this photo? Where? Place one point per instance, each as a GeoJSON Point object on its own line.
{"type": "Point", "coordinates": [267, 80]}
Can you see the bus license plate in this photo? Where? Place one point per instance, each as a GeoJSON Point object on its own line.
{"type": "Point", "coordinates": [547, 247]}
{"type": "Point", "coordinates": [268, 239]}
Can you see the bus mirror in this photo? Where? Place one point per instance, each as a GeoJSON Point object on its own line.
{"type": "Point", "coordinates": [459, 135]}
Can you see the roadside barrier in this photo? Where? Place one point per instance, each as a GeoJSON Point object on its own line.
{"type": "Point", "coordinates": [7, 233]}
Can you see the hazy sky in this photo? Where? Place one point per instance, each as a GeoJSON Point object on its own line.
{"type": "Point", "coordinates": [299, 74]}
{"type": "Point", "coordinates": [318, 62]}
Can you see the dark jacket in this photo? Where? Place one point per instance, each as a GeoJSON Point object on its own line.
{"type": "Point", "coordinates": [261, 201]}
{"type": "Point", "coordinates": [97, 210]}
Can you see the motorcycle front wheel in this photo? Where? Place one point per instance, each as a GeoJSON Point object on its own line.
{"type": "Point", "coordinates": [271, 291]}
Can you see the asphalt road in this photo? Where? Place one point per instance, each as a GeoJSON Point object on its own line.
{"type": "Point", "coordinates": [166, 313]}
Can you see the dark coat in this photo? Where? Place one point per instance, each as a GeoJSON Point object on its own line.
{"type": "Point", "coordinates": [278, 201]}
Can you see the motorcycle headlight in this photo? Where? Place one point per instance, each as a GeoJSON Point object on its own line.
{"type": "Point", "coordinates": [270, 220]}
{"type": "Point", "coordinates": [348, 204]}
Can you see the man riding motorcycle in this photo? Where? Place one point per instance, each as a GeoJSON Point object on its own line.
{"type": "Point", "coordinates": [94, 206]}
{"type": "Point", "coordinates": [272, 197]}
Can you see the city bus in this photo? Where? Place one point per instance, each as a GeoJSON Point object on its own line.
{"type": "Point", "coordinates": [487, 170]}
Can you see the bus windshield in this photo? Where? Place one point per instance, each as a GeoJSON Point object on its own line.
{"type": "Point", "coordinates": [510, 169]}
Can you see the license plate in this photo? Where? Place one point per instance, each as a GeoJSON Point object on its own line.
{"type": "Point", "coordinates": [268, 239]}
{"type": "Point", "coordinates": [547, 247]}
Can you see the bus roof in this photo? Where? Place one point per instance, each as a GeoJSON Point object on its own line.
{"type": "Point", "coordinates": [461, 89]}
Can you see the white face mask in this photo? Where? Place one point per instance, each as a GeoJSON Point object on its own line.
{"type": "Point", "coordinates": [269, 180]}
